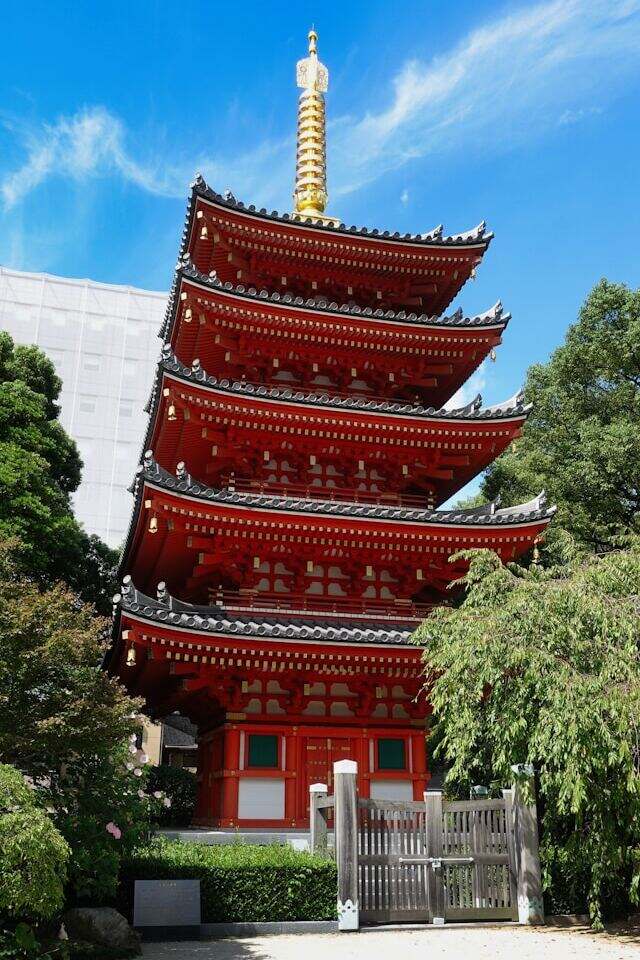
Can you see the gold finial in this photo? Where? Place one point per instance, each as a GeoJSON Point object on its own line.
{"type": "Point", "coordinates": [310, 194]}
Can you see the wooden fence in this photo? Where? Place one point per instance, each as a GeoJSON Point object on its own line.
{"type": "Point", "coordinates": [433, 860]}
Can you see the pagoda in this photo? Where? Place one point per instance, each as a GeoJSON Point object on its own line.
{"type": "Point", "coordinates": [287, 533]}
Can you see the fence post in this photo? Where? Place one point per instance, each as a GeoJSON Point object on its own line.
{"type": "Point", "coordinates": [525, 822]}
{"type": "Point", "coordinates": [346, 834]}
{"type": "Point", "coordinates": [435, 878]}
{"type": "Point", "coordinates": [317, 818]}
{"type": "Point", "coordinates": [509, 818]}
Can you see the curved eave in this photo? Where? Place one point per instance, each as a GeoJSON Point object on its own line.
{"type": "Point", "coordinates": [153, 477]}
{"type": "Point", "coordinates": [476, 239]}
{"type": "Point", "coordinates": [493, 319]}
{"type": "Point", "coordinates": [514, 409]}
{"type": "Point", "coordinates": [215, 621]}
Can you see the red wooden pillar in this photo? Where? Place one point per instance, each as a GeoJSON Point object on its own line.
{"type": "Point", "coordinates": [362, 758]}
{"type": "Point", "coordinates": [230, 769]}
{"type": "Point", "coordinates": [419, 753]}
{"type": "Point", "coordinates": [292, 765]}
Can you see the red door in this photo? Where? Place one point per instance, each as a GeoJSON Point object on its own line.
{"type": "Point", "coordinates": [319, 755]}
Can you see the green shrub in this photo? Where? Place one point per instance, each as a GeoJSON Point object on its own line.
{"type": "Point", "coordinates": [181, 787]}
{"type": "Point", "coordinates": [239, 882]}
{"type": "Point", "coordinates": [33, 854]}
{"type": "Point", "coordinates": [15, 794]}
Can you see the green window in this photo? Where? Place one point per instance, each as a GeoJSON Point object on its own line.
{"type": "Point", "coordinates": [263, 750]}
{"type": "Point", "coordinates": [391, 754]}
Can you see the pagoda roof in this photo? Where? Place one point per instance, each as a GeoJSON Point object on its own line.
{"type": "Point", "coordinates": [486, 515]}
{"type": "Point", "coordinates": [476, 236]}
{"type": "Point", "coordinates": [495, 316]}
{"type": "Point", "coordinates": [514, 407]}
{"type": "Point", "coordinates": [167, 610]}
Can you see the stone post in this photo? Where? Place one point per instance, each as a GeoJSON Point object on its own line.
{"type": "Point", "coordinates": [317, 818]}
{"type": "Point", "coordinates": [525, 825]}
{"type": "Point", "coordinates": [346, 832]}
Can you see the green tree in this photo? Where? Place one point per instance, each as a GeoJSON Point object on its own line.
{"type": "Point", "coordinates": [39, 470]}
{"type": "Point", "coordinates": [70, 727]}
{"type": "Point", "coordinates": [581, 442]}
{"type": "Point", "coordinates": [543, 667]}
{"type": "Point", "coordinates": [33, 854]}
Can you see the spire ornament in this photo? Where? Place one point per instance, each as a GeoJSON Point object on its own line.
{"type": "Point", "coordinates": [310, 194]}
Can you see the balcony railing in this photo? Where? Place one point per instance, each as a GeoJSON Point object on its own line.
{"type": "Point", "coordinates": [311, 492]}
{"type": "Point", "coordinates": [323, 389]}
{"type": "Point", "coordinates": [307, 605]}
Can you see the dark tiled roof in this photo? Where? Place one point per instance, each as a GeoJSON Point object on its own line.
{"type": "Point", "coordinates": [514, 407]}
{"type": "Point", "coordinates": [494, 317]}
{"type": "Point", "coordinates": [167, 610]}
{"type": "Point", "coordinates": [435, 237]}
{"type": "Point", "coordinates": [489, 514]}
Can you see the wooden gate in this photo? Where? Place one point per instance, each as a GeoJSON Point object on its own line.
{"type": "Point", "coordinates": [433, 861]}
{"type": "Point", "coordinates": [392, 883]}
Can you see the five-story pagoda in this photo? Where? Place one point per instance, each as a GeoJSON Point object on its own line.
{"type": "Point", "coordinates": [286, 537]}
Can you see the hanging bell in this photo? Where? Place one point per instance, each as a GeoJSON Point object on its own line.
{"type": "Point", "coordinates": [492, 356]}
{"type": "Point", "coordinates": [171, 412]}
{"type": "Point", "coordinates": [153, 525]}
{"type": "Point", "coordinates": [131, 657]}
{"type": "Point", "coordinates": [204, 233]}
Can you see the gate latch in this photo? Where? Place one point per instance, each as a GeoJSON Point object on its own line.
{"type": "Point", "coordinates": [436, 862]}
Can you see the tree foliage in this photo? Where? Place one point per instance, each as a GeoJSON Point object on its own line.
{"type": "Point", "coordinates": [70, 727]}
{"type": "Point", "coordinates": [33, 854]}
{"type": "Point", "coordinates": [39, 470]}
{"type": "Point", "coordinates": [543, 667]}
{"type": "Point", "coordinates": [581, 441]}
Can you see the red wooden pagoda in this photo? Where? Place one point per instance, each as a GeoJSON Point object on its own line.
{"type": "Point", "coordinates": [286, 537]}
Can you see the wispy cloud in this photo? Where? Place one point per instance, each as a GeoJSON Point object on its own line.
{"type": "Point", "coordinates": [530, 70]}
{"type": "Point", "coordinates": [404, 197]}
{"type": "Point", "coordinates": [503, 83]}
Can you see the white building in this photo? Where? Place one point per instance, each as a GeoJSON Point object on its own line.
{"type": "Point", "coordinates": [103, 340]}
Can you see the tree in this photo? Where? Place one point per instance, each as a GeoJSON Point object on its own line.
{"type": "Point", "coordinates": [70, 727]}
{"type": "Point", "coordinates": [33, 854]}
{"type": "Point", "coordinates": [581, 442]}
{"type": "Point", "coordinates": [543, 667]}
{"type": "Point", "coordinates": [39, 470]}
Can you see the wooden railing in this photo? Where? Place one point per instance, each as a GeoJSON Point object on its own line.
{"type": "Point", "coordinates": [396, 611]}
{"type": "Point", "coordinates": [311, 492]}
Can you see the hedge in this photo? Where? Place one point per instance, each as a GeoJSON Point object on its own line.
{"type": "Point", "coordinates": [239, 882]}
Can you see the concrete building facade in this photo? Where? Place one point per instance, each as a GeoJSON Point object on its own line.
{"type": "Point", "coordinates": [103, 341]}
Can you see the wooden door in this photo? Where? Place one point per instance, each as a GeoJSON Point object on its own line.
{"type": "Point", "coordinates": [319, 756]}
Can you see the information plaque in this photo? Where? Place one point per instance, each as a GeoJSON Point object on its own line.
{"type": "Point", "coordinates": [167, 909]}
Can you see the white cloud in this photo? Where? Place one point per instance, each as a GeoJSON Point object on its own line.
{"type": "Point", "coordinates": [503, 83]}
{"type": "Point", "coordinates": [568, 117]}
{"type": "Point", "coordinates": [404, 197]}
{"type": "Point", "coordinates": [469, 390]}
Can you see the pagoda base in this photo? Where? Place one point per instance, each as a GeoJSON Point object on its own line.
{"type": "Point", "coordinates": [258, 773]}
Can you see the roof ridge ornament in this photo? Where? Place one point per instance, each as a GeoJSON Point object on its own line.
{"type": "Point", "coordinates": [310, 193]}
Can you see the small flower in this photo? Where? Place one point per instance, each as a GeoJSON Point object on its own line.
{"type": "Point", "coordinates": [137, 772]}
{"type": "Point", "coordinates": [167, 802]}
{"type": "Point", "coordinates": [141, 794]}
{"type": "Point", "coordinates": [142, 757]}
{"type": "Point", "coordinates": [134, 736]}
{"type": "Point", "coordinates": [158, 794]}
{"type": "Point", "coordinates": [113, 830]}
{"type": "Point", "coordinates": [133, 750]}
{"type": "Point", "coordinates": [130, 766]}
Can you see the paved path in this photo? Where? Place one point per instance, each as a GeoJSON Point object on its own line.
{"type": "Point", "coordinates": [449, 943]}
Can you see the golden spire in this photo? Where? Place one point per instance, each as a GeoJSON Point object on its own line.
{"type": "Point", "coordinates": [310, 194]}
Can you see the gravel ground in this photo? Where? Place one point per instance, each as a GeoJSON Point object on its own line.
{"type": "Point", "coordinates": [449, 943]}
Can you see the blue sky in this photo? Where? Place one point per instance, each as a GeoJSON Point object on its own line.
{"type": "Point", "coordinates": [523, 114]}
